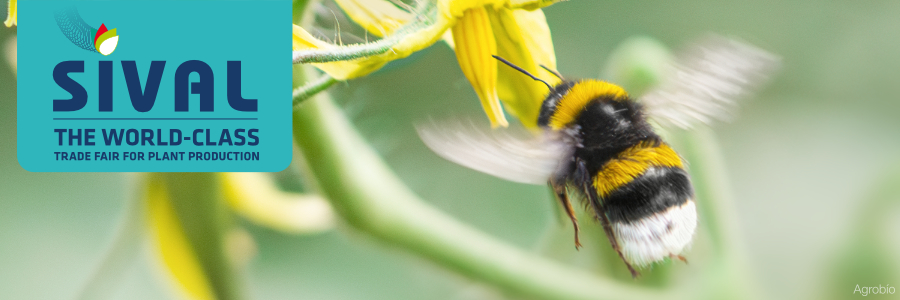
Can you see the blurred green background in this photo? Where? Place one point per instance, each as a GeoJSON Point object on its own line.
{"type": "Point", "coordinates": [812, 161]}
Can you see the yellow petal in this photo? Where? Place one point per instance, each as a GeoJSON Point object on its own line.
{"type": "Point", "coordinates": [474, 46]}
{"type": "Point", "coordinates": [256, 197]}
{"type": "Point", "coordinates": [378, 17]}
{"type": "Point", "coordinates": [12, 15]}
{"type": "Point", "coordinates": [455, 9]}
{"type": "Point", "coordinates": [537, 37]}
{"type": "Point", "coordinates": [523, 38]}
{"type": "Point", "coordinates": [173, 246]}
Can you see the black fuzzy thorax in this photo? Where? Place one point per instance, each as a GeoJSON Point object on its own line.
{"type": "Point", "coordinates": [606, 126]}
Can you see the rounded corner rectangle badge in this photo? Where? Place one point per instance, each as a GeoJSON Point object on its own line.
{"type": "Point", "coordinates": [154, 86]}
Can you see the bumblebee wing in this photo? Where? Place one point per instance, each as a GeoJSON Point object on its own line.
{"type": "Point", "coordinates": [706, 80]}
{"type": "Point", "coordinates": [514, 156]}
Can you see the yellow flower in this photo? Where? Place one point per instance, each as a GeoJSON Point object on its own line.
{"type": "Point", "coordinates": [11, 16]}
{"type": "Point", "coordinates": [513, 29]}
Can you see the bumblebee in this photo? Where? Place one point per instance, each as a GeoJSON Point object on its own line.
{"type": "Point", "coordinates": [597, 143]}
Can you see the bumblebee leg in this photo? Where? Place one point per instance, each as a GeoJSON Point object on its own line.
{"type": "Point", "coordinates": [590, 193]}
{"type": "Point", "coordinates": [586, 183]}
{"type": "Point", "coordinates": [562, 196]}
{"type": "Point", "coordinates": [679, 257]}
{"type": "Point", "coordinates": [615, 244]}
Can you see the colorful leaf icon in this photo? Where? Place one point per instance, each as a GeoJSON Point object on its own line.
{"type": "Point", "coordinates": [105, 41]}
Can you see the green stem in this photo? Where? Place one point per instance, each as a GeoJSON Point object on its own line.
{"type": "Point", "coordinates": [373, 200]}
{"type": "Point", "coordinates": [203, 215]}
{"type": "Point", "coordinates": [313, 87]}
{"type": "Point", "coordinates": [349, 52]}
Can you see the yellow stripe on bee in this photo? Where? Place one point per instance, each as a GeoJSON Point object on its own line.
{"type": "Point", "coordinates": [631, 163]}
{"type": "Point", "coordinates": [572, 104]}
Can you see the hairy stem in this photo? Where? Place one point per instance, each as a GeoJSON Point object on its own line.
{"type": "Point", "coordinates": [425, 16]}
{"type": "Point", "coordinates": [312, 88]}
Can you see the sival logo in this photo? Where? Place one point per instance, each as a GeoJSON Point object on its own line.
{"type": "Point", "coordinates": [212, 104]}
{"type": "Point", "coordinates": [81, 34]}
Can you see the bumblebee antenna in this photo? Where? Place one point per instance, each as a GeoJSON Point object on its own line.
{"type": "Point", "coordinates": [523, 71]}
{"type": "Point", "coordinates": [553, 71]}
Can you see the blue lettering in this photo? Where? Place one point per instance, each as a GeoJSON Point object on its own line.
{"type": "Point", "coordinates": [197, 141]}
{"type": "Point", "coordinates": [89, 137]}
{"type": "Point", "coordinates": [105, 85]}
{"type": "Point", "coordinates": [143, 94]}
{"type": "Point", "coordinates": [132, 137]}
{"type": "Point", "coordinates": [204, 87]}
{"type": "Point", "coordinates": [225, 138]}
{"type": "Point", "coordinates": [111, 136]}
{"type": "Point", "coordinates": [60, 132]}
{"type": "Point", "coordinates": [174, 141]}
{"type": "Point", "coordinates": [252, 136]}
{"type": "Point", "coordinates": [79, 94]}
{"type": "Point", "coordinates": [147, 137]}
{"type": "Point", "coordinates": [142, 101]}
{"type": "Point", "coordinates": [238, 134]}
{"type": "Point", "coordinates": [234, 89]}
{"type": "Point", "coordinates": [209, 142]}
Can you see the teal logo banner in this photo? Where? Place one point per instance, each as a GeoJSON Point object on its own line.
{"type": "Point", "coordinates": [190, 86]}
